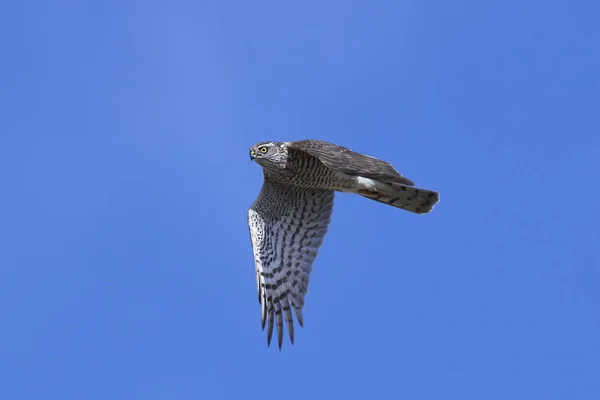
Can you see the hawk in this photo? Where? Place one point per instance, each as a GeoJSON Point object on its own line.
{"type": "Point", "coordinates": [289, 218]}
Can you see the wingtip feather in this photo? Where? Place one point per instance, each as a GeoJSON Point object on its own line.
{"type": "Point", "coordinates": [263, 312]}
{"type": "Point", "coordinates": [279, 328]}
{"type": "Point", "coordinates": [270, 327]}
{"type": "Point", "coordinates": [299, 316]}
{"type": "Point", "coordinates": [289, 319]}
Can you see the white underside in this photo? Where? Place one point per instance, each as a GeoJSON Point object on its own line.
{"type": "Point", "coordinates": [366, 183]}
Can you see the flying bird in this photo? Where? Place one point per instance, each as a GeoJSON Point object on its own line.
{"type": "Point", "coordinates": [289, 218]}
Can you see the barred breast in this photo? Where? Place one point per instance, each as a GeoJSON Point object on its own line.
{"type": "Point", "coordinates": [304, 170]}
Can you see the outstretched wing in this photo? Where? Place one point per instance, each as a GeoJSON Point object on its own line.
{"type": "Point", "coordinates": [350, 162]}
{"type": "Point", "coordinates": [287, 226]}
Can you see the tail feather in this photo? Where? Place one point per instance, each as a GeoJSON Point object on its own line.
{"type": "Point", "coordinates": [417, 200]}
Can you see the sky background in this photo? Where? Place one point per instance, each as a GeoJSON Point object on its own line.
{"type": "Point", "coordinates": [126, 270]}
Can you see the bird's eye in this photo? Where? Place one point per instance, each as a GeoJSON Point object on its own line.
{"type": "Point", "coordinates": [262, 149]}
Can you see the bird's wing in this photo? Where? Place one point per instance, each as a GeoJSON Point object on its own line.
{"type": "Point", "coordinates": [342, 159]}
{"type": "Point", "coordinates": [287, 226]}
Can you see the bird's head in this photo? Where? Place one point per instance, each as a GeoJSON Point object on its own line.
{"type": "Point", "coordinates": [269, 154]}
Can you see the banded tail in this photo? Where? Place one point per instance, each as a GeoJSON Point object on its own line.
{"type": "Point", "coordinates": [409, 198]}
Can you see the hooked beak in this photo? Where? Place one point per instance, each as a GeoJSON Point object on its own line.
{"type": "Point", "coordinates": [252, 155]}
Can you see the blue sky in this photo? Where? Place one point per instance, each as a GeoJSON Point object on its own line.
{"type": "Point", "coordinates": [126, 269]}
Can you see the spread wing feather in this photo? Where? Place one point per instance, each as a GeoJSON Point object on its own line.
{"type": "Point", "coordinates": [287, 227]}
{"type": "Point", "coordinates": [350, 162]}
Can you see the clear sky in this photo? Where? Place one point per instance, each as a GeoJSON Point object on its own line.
{"type": "Point", "coordinates": [126, 270]}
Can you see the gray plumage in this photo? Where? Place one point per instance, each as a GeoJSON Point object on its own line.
{"type": "Point", "coordinates": [291, 214]}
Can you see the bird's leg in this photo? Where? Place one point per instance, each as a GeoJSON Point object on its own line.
{"type": "Point", "coordinates": [373, 194]}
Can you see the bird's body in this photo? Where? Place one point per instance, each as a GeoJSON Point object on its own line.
{"type": "Point", "coordinates": [291, 214]}
{"type": "Point", "coordinates": [302, 170]}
